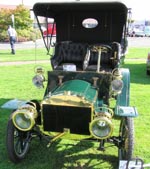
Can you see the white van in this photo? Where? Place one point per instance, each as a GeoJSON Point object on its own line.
{"type": "Point", "coordinates": [147, 31]}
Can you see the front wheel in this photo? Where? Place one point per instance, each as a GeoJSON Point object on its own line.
{"type": "Point", "coordinates": [17, 143]}
{"type": "Point", "coordinates": [148, 72]}
{"type": "Point", "coordinates": [126, 134]}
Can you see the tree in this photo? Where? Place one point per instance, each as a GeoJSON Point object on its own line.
{"type": "Point", "coordinates": [5, 18]}
{"type": "Point", "coordinates": [22, 22]}
{"type": "Point", "coordinates": [22, 18]}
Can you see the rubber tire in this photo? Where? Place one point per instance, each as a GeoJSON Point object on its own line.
{"type": "Point", "coordinates": [147, 72]}
{"type": "Point", "coordinates": [11, 138]}
{"type": "Point", "coordinates": [126, 133]}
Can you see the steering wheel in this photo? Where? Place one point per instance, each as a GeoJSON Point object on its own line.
{"type": "Point", "coordinates": [99, 49]}
{"type": "Point", "coordinates": [102, 47]}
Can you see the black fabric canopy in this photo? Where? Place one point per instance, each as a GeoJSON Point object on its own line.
{"type": "Point", "coordinates": [111, 17]}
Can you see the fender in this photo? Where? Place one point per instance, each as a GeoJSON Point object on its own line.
{"type": "Point", "coordinates": [14, 104]}
{"type": "Point", "coordinates": [123, 99]}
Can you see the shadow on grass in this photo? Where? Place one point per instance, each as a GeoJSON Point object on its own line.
{"type": "Point", "coordinates": [69, 156]}
{"type": "Point", "coordinates": [62, 154]}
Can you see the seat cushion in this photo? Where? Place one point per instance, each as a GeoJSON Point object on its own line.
{"type": "Point", "coordinates": [69, 52]}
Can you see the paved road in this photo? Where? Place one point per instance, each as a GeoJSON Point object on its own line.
{"type": "Point", "coordinates": [139, 41]}
{"type": "Point", "coordinates": [133, 42]}
{"type": "Point", "coordinates": [24, 45]}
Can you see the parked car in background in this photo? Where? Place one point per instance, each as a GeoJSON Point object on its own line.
{"type": "Point", "coordinates": [50, 30]}
{"type": "Point", "coordinates": [148, 64]}
{"type": "Point", "coordinates": [137, 33]}
{"type": "Point", "coordinates": [147, 31]}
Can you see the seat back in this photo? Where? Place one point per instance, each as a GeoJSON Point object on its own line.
{"type": "Point", "coordinates": [69, 52]}
{"type": "Point", "coordinates": [105, 58]}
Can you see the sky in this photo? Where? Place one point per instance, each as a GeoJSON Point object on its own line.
{"type": "Point", "coordinates": [140, 8]}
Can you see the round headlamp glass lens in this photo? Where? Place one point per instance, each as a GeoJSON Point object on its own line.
{"type": "Point", "coordinates": [101, 128]}
{"type": "Point", "coordinates": [22, 121]}
{"type": "Point", "coordinates": [117, 85]}
{"type": "Point", "coordinates": [38, 81]}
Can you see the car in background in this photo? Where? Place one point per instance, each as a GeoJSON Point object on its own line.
{"type": "Point", "coordinates": [148, 64]}
{"type": "Point", "coordinates": [137, 33]}
{"type": "Point", "coordinates": [147, 31]}
{"type": "Point", "coordinates": [50, 30]}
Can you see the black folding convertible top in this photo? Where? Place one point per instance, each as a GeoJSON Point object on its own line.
{"type": "Point", "coordinates": [111, 17]}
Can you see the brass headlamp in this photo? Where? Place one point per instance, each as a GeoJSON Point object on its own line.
{"type": "Point", "coordinates": [24, 117]}
{"type": "Point", "coordinates": [101, 127]}
{"type": "Point", "coordinates": [117, 83]}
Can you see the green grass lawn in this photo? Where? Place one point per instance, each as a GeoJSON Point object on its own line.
{"type": "Point", "coordinates": [65, 154]}
{"type": "Point", "coordinates": [137, 53]}
{"type": "Point", "coordinates": [24, 55]}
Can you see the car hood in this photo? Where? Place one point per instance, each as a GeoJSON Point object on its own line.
{"type": "Point", "coordinates": [111, 17]}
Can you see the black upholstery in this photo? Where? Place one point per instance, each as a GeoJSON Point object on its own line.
{"type": "Point", "coordinates": [74, 54]}
{"type": "Point", "coordinates": [105, 61]}
{"type": "Point", "coordinates": [116, 49]}
{"type": "Point", "coordinates": [109, 59]}
{"type": "Point", "coordinates": [69, 52]}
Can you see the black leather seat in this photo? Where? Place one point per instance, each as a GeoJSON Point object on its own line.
{"type": "Point", "coordinates": [69, 52]}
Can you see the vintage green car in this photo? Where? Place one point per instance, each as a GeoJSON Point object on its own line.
{"type": "Point", "coordinates": [86, 90]}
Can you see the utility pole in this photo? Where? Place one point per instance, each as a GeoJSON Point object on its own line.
{"type": "Point", "coordinates": [13, 20]}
